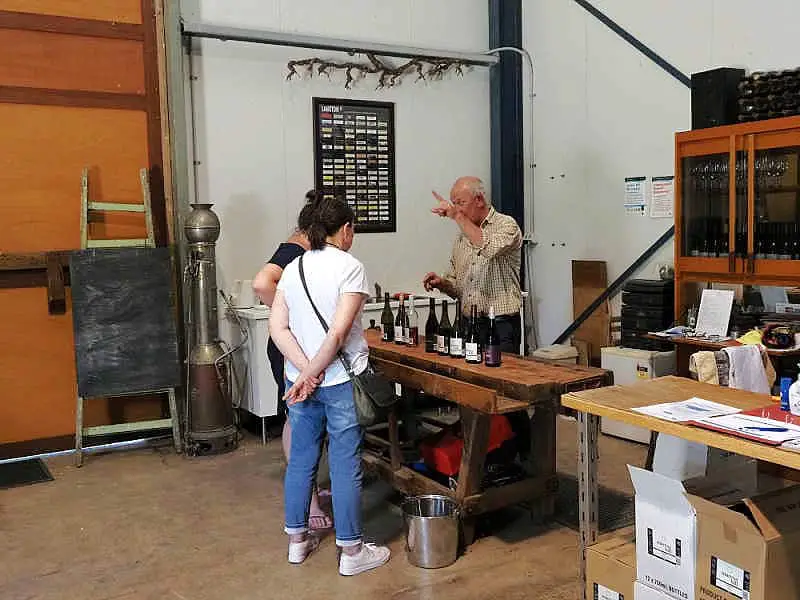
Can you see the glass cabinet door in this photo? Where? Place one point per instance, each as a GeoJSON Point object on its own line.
{"type": "Point", "coordinates": [777, 204]}
{"type": "Point", "coordinates": [705, 206]}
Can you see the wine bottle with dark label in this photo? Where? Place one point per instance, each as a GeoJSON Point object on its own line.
{"type": "Point", "coordinates": [399, 322]}
{"type": "Point", "coordinates": [443, 334]}
{"type": "Point", "coordinates": [472, 346]}
{"type": "Point", "coordinates": [457, 333]}
{"type": "Point", "coordinates": [492, 357]}
{"type": "Point", "coordinates": [431, 328]}
{"type": "Point", "coordinates": [387, 321]}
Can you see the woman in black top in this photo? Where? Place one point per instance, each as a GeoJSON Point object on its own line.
{"type": "Point", "coordinates": [264, 285]}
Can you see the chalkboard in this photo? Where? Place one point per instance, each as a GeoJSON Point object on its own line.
{"type": "Point", "coordinates": [123, 315]}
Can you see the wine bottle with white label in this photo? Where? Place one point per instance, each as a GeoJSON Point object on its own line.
{"type": "Point", "coordinates": [492, 355]}
{"type": "Point", "coordinates": [472, 346]}
{"type": "Point", "coordinates": [443, 334]}
{"type": "Point", "coordinates": [412, 319]}
{"type": "Point", "coordinates": [387, 321]}
{"type": "Point", "coordinates": [457, 334]}
{"type": "Point", "coordinates": [399, 322]}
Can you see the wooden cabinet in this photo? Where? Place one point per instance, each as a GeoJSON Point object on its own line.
{"type": "Point", "coordinates": [737, 205]}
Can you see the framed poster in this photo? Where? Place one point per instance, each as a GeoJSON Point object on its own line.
{"type": "Point", "coordinates": [354, 159]}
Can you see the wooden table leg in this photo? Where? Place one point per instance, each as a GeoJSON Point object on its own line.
{"type": "Point", "coordinates": [587, 487]}
{"type": "Point", "coordinates": [475, 429]}
{"type": "Point", "coordinates": [395, 452]}
{"type": "Point", "coordinates": [542, 460]}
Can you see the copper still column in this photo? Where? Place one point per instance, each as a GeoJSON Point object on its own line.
{"type": "Point", "coordinates": [210, 417]}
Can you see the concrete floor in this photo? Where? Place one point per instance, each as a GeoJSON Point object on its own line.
{"type": "Point", "coordinates": [148, 524]}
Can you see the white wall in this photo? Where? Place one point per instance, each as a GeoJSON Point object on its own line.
{"type": "Point", "coordinates": [255, 129]}
{"type": "Point", "coordinates": [603, 112]}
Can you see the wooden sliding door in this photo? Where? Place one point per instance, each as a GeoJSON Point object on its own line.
{"type": "Point", "coordinates": [79, 87]}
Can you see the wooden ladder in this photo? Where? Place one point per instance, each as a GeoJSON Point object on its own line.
{"type": "Point", "coordinates": [88, 208]}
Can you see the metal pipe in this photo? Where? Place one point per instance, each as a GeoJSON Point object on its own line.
{"type": "Point", "coordinates": [297, 40]}
{"type": "Point", "coordinates": [636, 43]}
{"type": "Point", "coordinates": [129, 444]}
{"type": "Point", "coordinates": [528, 206]}
{"type": "Point", "coordinates": [612, 289]}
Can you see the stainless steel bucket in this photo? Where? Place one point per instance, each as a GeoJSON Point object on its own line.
{"type": "Point", "coordinates": [431, 524]}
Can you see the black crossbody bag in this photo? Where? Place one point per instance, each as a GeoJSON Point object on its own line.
{"type": "Point", "coordinates": [373, 394]}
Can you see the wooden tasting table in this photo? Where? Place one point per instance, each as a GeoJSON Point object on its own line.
{"type": "Point", "coordinates": [616, 402]}
{"type": "Point", "coordinates": [479, 392]}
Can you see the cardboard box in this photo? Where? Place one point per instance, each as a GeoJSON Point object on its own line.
{"type": "Point", "coordinates": [665, 534]}
{"type": "Point", "coordinates": [645, 592]}
{"type": "Point", "coordinates": [750, 551]}
{"type": "Point", "coordinates": [729, 486]}
{"type": "Point", "coordinates": [611, 567]}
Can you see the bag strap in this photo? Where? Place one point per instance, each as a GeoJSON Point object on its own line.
{"type": "Point", "coordinates": [340, 354]}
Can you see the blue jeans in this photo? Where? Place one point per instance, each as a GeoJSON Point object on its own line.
{"type": "Point", "coordinates": [333, 407]}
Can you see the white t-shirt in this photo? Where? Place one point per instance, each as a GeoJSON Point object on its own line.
{"type": "Point", "coordinates": [330, 272]}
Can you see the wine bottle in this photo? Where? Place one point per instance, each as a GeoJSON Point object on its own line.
{"type": "Point", "coordinates": [406, 325]}
{"type": "Point", "coordinates": [772, 252]}
{"type": "Point", "coordinates": [761, 243]}
{"type": "Point", "coordinates": [443, 334]}
{"type": "Point", "coordinates": [399, 322]}
{"type": "Point", "coordinates": [795, 242]}
{"type": "Point", "coordinates": [785, 244]}
{"type": "Point", "coordinates": [387, 321]}
{"type": "Point", "coordinates": [492, 358]}
{"type": "Point", "coordinates": [724, 241]}
{"type": "Point", "coordinates": [457, 333]}
{"type": "Point", "coordinates": [412, 322]}
{"type": "Point", "coordinates": [472, 347]}
{"type": "Point", "coordinates": [431, 328]}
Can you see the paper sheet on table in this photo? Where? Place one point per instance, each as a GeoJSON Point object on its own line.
{"type": "Point", "coordinates": [715, 313]}
{"type": "Point", "coordinates": [693, 409]}
{"type": "Point", "coordinates": [755, 427]}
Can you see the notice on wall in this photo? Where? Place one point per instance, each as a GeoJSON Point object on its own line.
{"type": "Point", "coordinates": [636, 196]}
{"type": "Point", "coordinates": [662, 197]}
{"type": "Point", "coordinates": [354, 159]}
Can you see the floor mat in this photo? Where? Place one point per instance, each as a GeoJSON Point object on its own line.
{"type": "Point", "coordinates": [24, 472]}
{"type": "Point", "coordinates": [616, 508]}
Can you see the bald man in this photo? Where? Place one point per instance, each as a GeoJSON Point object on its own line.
{"type": "Point", "coordinates": [485, 262]}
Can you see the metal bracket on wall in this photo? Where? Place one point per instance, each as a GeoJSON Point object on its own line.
{"type": "Point", "coordinates": [635, 42]}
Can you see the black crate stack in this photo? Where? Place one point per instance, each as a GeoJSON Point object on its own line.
{"type": "Point", "coordinates": [647, 305]}
{"type": "Point", "coordinates": [769, 95]}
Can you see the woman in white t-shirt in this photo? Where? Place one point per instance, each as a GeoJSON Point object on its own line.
{"type": "Point", "coordinates": [320, 393]}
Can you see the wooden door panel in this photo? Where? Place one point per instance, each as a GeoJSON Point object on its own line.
{"type": "Point", "coordinates": [123, 11]}
{"type": "Point", "coordinates": [43, 152]}
{"type": "Point", "coordinates": [38, 374]}
{"type": "Point", "coordinates": [69, 62]}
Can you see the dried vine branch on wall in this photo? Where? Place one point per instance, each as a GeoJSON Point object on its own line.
{"type": "Point", "coordinates": [432, 69]}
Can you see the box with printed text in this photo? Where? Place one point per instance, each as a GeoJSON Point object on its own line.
{"type": "Point", "coordinates": [750, 551]}
{"type": "Point", "coordinates": [611, 567]}
{"type": "Point", "coordinates": [665, 534]}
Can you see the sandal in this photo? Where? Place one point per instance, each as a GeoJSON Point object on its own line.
{"type": "Point", "coordinates": [320, 522]}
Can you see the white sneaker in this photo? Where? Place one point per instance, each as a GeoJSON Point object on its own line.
{"type": "Point", "coordinates": [370, 557]}
{"type": "Point", "coordinates": [299, 551]}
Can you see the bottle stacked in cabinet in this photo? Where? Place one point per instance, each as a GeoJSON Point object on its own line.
{"type": "Point", "coordinates": [647, 306]}
{"type": "Point", "coordinates": [769, 95]}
